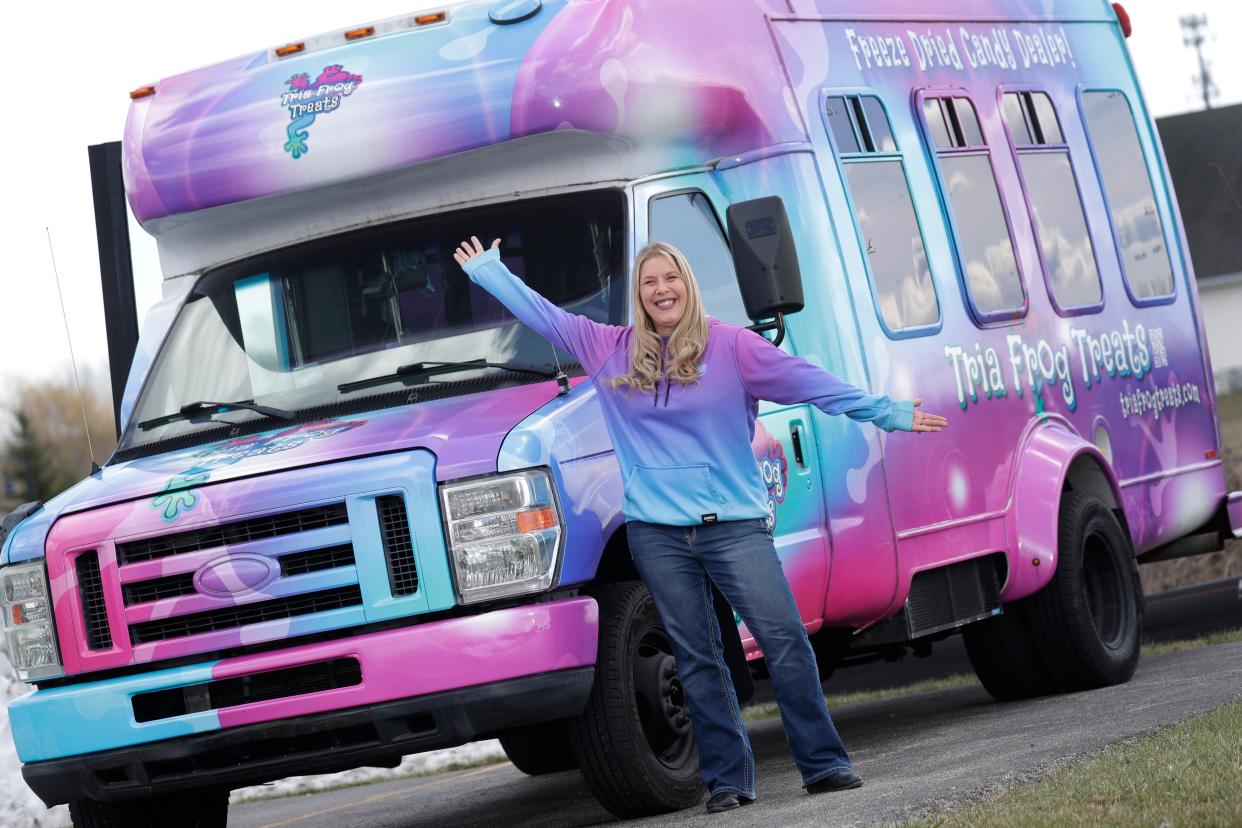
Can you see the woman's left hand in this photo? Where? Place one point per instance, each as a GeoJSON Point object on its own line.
{"type": "Point", "coordinates": [927, 422]}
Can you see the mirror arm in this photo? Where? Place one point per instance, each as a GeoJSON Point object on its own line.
{"type": "Point", "coordinates": [777, 324]}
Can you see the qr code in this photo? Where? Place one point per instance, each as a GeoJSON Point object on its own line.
{"type": "Point", "coordinates": [1159, 356]}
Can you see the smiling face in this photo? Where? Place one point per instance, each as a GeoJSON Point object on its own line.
{"type": "Point", "coordinates": [663, 293]}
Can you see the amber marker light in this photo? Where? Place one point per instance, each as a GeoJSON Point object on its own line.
{"type": "Point", "coordinates": [428, 19]}
{"type": "Point", "coordinates": [536, 519]}
{"type": "Point", "coordinates": [142, 92]}
{"type": "Point", "coordinates": [360, 32]}
{"type": "Point", "coordinates": [290, 49]}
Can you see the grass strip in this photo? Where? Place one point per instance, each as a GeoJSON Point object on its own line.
{"type": "Point", "coordinates": [1165, 647]}
{"type": "Point", "coordinates": [1188, 774]}
{"type": "Point", "coordinates": [769, 709]}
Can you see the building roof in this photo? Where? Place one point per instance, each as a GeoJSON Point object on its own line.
{"type": "Point", "coordinates": [1206, 166]}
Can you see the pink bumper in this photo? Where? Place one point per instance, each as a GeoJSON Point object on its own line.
{"type": "Point", "coordinates": [429, 658]}
{"type": "Point", "coordinates": [1235, 513]}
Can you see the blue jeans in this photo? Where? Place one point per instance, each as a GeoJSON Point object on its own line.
{"type": "Point", "coordinates": [679, 565]}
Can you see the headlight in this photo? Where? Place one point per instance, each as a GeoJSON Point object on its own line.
{"type": "Point", "coordinates": [504, 534]}
{"type": "Point", "coordinates": [29, 631]}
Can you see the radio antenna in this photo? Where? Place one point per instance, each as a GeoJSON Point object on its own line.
{"type": "Point", "coordinates": [72, 359]}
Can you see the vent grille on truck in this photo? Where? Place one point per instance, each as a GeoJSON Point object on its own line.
{"type": "Point", "coordinates": [274, 684]}
{"type": "Point", "coordinates": [232, 617]}
{"type": "Point", "coordinates": [94, 612]}
{"type": "Point", "coordinates": [268, 526]}
{"type": "Point", "coordinates": [398, 546]}
{"type": "Point", "coordinates": [950, 596]}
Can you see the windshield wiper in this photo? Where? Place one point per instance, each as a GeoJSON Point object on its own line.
{"type": "Point", "coordinates": [209, 409]}
{"type": "Point", "coordinates": [418, 370]}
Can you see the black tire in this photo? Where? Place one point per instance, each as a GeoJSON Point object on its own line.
{"type": "Point", "coordinates": [633, 742]}
{"type": "Point", "coordinates": [1005, 658]}
{"type": "Point", "coordinates": [540, 748]}
{"type": "Point", "coordinates": [190, 810]}
{"type": "Point", "coordinates": [1089, 619]}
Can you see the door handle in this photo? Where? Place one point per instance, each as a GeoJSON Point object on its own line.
{"type": "Point", "coordinates": [795, 437]}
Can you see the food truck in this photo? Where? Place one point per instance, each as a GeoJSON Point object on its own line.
{"type": "Point", "coordinates": [358, 511]}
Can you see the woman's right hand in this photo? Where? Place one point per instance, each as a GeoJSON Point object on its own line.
{"type": "Point", "coordinates": [469, 249]}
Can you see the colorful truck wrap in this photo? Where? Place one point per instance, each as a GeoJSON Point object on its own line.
{"type": "Point", "coordinates": [418, 542]}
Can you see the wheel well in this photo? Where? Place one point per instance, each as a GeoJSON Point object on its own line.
{"type": "Point", "coordinates": [1087, 475]}
{"type": "Point", "coordinates": [615, 562]}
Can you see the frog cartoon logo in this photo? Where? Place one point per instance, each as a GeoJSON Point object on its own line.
{"type": "Point", "coordinates": [774, 468]}
{"type": "Point", "coordinates": [305, 100]}
{"type": "Point", "coordinates": [178, 495]}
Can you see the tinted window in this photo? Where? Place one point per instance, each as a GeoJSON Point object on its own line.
{"type": "Point", "coordinates": [688, 222]}
{"type": "Point", "coordinates": [1069, 258]}
{"type": "Point", "coordinates": [982, 234]}
{"type": "Point", "coordinates": [1127, 186]}
{"type": "Point", "coordinates": [893, 244]}
{"type": "Point", "coordinates": [839, 122]}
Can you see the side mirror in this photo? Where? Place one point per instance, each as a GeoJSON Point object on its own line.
{"type": "Point", "coordinates": [765, 261]}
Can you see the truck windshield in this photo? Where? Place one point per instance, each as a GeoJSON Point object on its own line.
{"type": "Point", "coordinates": [297, 328]}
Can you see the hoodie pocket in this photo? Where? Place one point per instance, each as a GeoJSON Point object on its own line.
{"type": "Point", "coordinates": [673, 495]}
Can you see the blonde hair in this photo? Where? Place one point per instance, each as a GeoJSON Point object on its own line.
{"type": "Point", "coordinates": [685, 345]}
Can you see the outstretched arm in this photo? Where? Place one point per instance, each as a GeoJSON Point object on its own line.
{"type": "Point", "coordinates": [590, 342]}
{"type": "Point", "coordinates": [771, 374]}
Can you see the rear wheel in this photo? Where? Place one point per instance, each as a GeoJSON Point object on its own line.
{"type": "Point", "coordinates": [188, 810]}
{"type": "Point", "coordinates": [1079, 632]}
{"type": "Point", "coordinates": [633, 741]}
{"type": "Point", "coordinates": [1089, 619]}
{"type": "Point", "coordinates": [540, 749]}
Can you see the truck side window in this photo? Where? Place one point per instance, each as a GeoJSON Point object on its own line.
{"type": "Point", "coordinates": [980, 226]}
{"type": "Point", "coordinates": [888, 229]}
{"type": "Point", "coordinates": [1060, 224]}
{"type": "Point", "coordinates": [1123, 171]}
{"type": "Point", "coordinates": [688, 222]}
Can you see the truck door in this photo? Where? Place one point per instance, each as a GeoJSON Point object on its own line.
{"type": "Point", "coordinates": [687, 212]}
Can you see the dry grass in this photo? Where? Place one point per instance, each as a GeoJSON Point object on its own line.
{"type": "Point", "coordinates": [1228, 562]}
{"type": "Point", "coordinates": [1189, 774]}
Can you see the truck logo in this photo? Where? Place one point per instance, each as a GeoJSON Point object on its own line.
{"type": "Point", "coordinates": [235, 574]}
{"type": "Point", "coordinates": [305, 100]}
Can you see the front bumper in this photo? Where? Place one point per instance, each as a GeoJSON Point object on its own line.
{"type": "Point", "coordinates": [390, 665]}
{"type": "Point", "coordinates": [373, 735]}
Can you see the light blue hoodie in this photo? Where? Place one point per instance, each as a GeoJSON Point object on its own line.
{"type": "Point", "coordinates": [685, 451]}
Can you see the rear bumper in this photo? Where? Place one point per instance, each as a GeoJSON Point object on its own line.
{"type": "Point", "coordinates": [1233, 505]}
{"type": "Point", "coordinates": [378, 734]}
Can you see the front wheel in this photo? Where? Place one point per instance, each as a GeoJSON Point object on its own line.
{"type": "Point", "coordinates": [190, 810]}
{"type": "Point", "coordinates": [633, 741]}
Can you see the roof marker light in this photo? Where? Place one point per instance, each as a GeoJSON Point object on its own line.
{"type": "Point", "coordinates": [290, 49]}
{"type": "Point", "coordinates": [142, 92]}
{"type": "Point", "coordinates": [1123, 17]}
{"type": "Point", "coordinates": [360, 32]}
{"type": "Point", "coordinates": [428, 19]}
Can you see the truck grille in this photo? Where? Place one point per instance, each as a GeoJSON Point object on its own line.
{"type": "Point", "coordinates": [227, 534]}
{"type": "Point", "coordinates": [398, 547]}
{"type": "Point", "coordinates": [232, 617]}
{"type": "Point", "coordinates": [94, 612]}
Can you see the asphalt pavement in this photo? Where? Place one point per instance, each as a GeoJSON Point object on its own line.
{"type": "Point", "coordinates": [915, 753]}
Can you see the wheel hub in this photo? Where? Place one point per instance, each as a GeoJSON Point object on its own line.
{"type": "Point", "coordinates": [661, 701]}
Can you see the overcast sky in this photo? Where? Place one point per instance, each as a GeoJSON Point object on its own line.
{"type": "Point", "coordinates": [72, 65]}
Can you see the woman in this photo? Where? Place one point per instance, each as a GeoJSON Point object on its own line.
{"type": "Point", "coordinates": [679, 392]}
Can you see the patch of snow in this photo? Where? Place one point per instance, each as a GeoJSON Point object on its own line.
{"type": "Point", "coordinates": [18, 804]}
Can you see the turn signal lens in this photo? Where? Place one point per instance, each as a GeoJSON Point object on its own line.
{"type": "Point", "coordinates": [536, 519]}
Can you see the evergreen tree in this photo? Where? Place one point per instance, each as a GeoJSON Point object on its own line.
{"type": "Point", "coordinates": [30, 462]}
